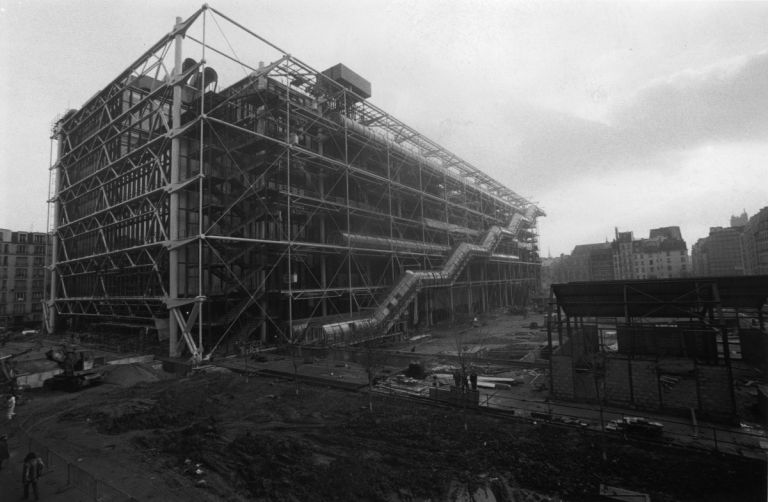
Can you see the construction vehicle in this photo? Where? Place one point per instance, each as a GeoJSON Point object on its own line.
{"type": "Point", "coordinates": [8, 380]}
{"type": "Point", "coordinates": [636, 427]}
{"type": "Point", "coordinates": [79, 370]}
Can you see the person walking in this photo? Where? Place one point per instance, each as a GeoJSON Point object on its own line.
{"type": "Point", "coordinates": [31, 471]}
{"type": "Point", "coordinates": [10, 406]}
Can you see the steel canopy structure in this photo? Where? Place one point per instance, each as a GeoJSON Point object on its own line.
{"type": "Point", "coordinates": [658, 298]}
{"type": "Point", "coordinates": [221, 199]}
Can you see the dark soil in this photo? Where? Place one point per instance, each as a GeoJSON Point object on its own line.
{"type": "Point", "coordinates": [260, 440]}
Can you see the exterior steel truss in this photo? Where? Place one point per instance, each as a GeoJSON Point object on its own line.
{"type": "Point", "coordinates": [220, 199]}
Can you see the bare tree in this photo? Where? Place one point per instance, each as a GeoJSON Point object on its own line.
{"type": "Point", "coordinates": [462, 387]}
{"type": "Point", "coordinates": [372, 358]}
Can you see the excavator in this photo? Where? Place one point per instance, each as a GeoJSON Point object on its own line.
{"type": "Point", "coordinates": [9, 383]}
{"type": "Point", "coordinates": [79, 370]}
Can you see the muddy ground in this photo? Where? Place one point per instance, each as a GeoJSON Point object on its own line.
{"type": "Point", "coordinates": [219, 436]}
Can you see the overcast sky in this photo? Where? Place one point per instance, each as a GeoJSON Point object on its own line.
{"type": "Point", "coordinates": [616, 114]}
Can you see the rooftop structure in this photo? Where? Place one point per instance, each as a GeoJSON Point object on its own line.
{"type": "Point", "coordinates": [224, 201]}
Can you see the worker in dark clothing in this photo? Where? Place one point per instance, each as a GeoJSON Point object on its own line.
{"type": "Point", "coordinates": [473, 380]}
{"type": "Point", "coordinates": [457, 380]}
{"type": "Point", "coordinates": [4, 454]}
{"type": "Point", "coordinates": [32, 469]}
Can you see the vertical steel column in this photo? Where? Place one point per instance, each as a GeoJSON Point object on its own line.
{"type": "Point", "coordinates": [446, 208]}
{"type": "Point", "coordinates": [421, 201]}
{"type": "Point", "coordinates": [504, 285]}
{"type": "Point", "coordinates": [349, 220]}
{"type": "Point", "coordinates": [173, 253]}
{"type": "Point", "coordinates": [415, 318]}
{"type": "Point", "coordinates": [200, 188]}
{"type": "Point", "coordinates": [726, 347]}
{"type": "Point", "coordinates": [51, 306]}
{"type": "Point", "coordinates": [288, 151]}
{"type": "Point", "coordinates": [424, 258]}
{"type": "Point", "coordinates": [323, 256]}
{"type": "Point", "coordinates": [484, 290]}
{"type": "Point", "coordinates": [470, 309]}
{"type": "Point", "coordinates": [391, 216]}
{"type": "Point", "coordinates": [552, 302]}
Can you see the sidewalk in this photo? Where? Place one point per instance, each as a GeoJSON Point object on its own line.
{"type": "Point", "coordinates": [49, 487]}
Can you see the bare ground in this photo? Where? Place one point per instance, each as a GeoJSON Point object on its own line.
{"type": "Point", "coordinates": [258, 439]}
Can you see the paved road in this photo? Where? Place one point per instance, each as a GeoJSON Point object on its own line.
{"type": "Point", "coordinates": [704, 435]}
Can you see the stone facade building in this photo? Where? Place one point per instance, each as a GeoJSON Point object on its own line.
{"type": "Point", "coordinates": [663, 255]}
{"type": "Point", "coordinates": [719, 254]}
{"type": "Point", "coordinates": [755, 241]}
{"type": "Point", "coordinates": [22, 277]}
{"type": "Point", "coordinates": [741, 249]}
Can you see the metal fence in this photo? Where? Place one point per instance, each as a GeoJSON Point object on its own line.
{"type": "Point", "coordinates": [68, 475]}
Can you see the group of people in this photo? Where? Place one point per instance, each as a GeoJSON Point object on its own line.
{"type": "Point", "coordinates": [465, 382]}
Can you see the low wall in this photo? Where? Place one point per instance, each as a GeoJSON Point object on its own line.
{"type": "Point", "coordinates": [455, 396]}
{"type": "Point", "coordinates": [674, 385]}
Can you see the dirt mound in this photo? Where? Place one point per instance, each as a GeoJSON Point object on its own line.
{"type": "Point", "coordinates": [126, 375]}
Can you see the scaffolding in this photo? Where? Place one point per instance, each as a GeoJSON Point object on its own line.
{"type": "Point", "coordinates": [219, 200]}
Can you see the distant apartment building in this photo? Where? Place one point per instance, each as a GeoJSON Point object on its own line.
{"type": "Point", "coordinates": [22, 277]}
{"type": "Point", "coordinates": [755, 243]}
{"type": "Point", "coordinates": [663, 255]}
{"type": "Point", "coordinates": [577, 263]}
{"type": "Point", "coordinates": [587, 262]}
{"type": "Point", "coordinates": [741, 220]}
{"type": "Point", "coordinates": [719, 254]}
{"type": "Point", "coordinates": [593, 262]}
{"type": "Point", "coordinates": [741, 249]}
{"type": "Point", "coordinates": [548, 270]}
{"type": "Point", "coordinates": [601, 262]}
{"type": "Point", "coordinates": [623, 255]}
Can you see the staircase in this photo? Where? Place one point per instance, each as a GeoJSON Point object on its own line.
{"type": "Point", "coordinates": [405, 290]}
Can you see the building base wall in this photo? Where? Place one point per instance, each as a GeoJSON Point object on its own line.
{"type": "Point", "coordinates": [668, 385]}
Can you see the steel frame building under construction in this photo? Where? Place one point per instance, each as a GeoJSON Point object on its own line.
{"type": "Point", "coordinates": [219, 198]}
